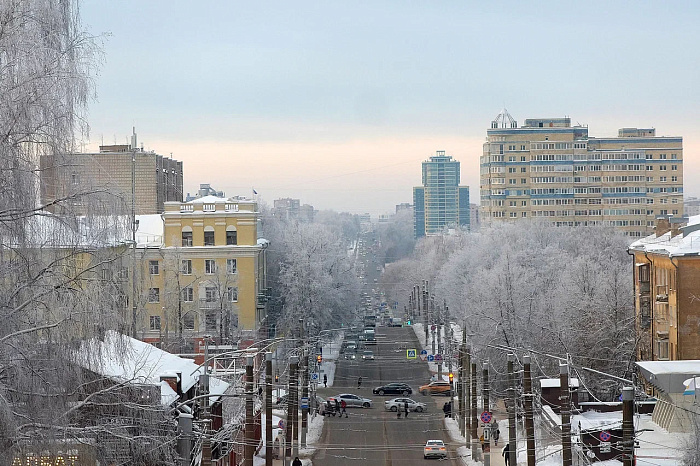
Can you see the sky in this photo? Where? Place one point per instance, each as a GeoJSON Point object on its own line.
{"type": "Point", "coordinates": [338, 103]}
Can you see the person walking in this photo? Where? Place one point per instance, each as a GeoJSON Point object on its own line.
{"type": "Point", "coordinates": [325, 381]}
{"type": "Point", "coordinates": [343, 405]}
{"type": "Point", "coordinates": [296, 462]}
{"type": "Point", "coordinates": [495, 432]}
{"type": "Point", "coordinates": [405, 408]}
{"type": "Point", "coordinates": [359, 382]}
{"type": "Point", "coordinates": [337, 408]}
{"type": "Point", "coordinates": [506, 453]}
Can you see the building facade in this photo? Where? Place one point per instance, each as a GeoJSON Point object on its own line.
{"type": "Point", "coordinates": [552, 170]}
{"type": "Point", "coordinates": [441, 202]}
{"type": "Point", "coordinates": [108, 178]}
{"type": "Point", "coordinates": [666, 285]}
{"type": "Point", "coordinates": [202, 273]}
{"type": "Point", "coordinates": [292, 209]}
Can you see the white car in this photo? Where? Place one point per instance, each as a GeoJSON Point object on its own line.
{"type": "Point", "coordinates": [354, 401]}
{"type": "Point", "coordinates": [399, 404]}
{"type": "Point", "coordinates": [434, 449]}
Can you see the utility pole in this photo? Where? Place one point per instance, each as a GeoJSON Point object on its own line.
{"type": "Point", "coordinates": [460, 389]}
{"type": "Point", "coordinates": [467, 389]}
{"type": "Point", "coordinates": [485, 394]}
{"type": "Point", "coordinates": [565, 408]}
{"type": "Point", "coordinates": [133, 234]}
{"type": "Point", "coordinates": [305, 395]}
{"type": "Point", "coordinates": [249, 450]}
{"type": "Point", "coordinates": [291, 405]}
{"type": "Point", "coordinates": [529, 422]}
{"type": "Point", "coordinates": [512, 398]}
{"type": "Point", "coordinates": [474, 422]}
{"type": "Point", "coordinates": [628, 426]}
{"type": "Point", "coordinates": [426, 313]}
{"type": "Point", "coordinates": [268, 409]}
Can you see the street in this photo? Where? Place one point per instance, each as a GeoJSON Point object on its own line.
{"type": "Point", "coordinates": [376, 436]}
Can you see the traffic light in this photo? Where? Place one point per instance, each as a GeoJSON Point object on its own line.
{"type": "Point", "coordinates": [319, 358]}
{"type": "Point", "coordinates": [277, 378]}
{"type": "Point", "coordinates": [452, 376]}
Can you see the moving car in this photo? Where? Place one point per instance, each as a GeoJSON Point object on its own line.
{"type": "Point", "coordinates": [399, 404]}
{"type": "Point", "coordinates": [394, 388]}
{"type": "Point", "coordinates": [436, 388]}
{"type": "Point", "coordinates": [354, 401]}
{"type": "Point", "coordinates": [368, 355]}
{"type": "Point", "coordinates": [434, 449]}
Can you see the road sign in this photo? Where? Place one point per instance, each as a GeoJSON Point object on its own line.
{"type": "Point", "coordinates": [604, 436]}
{"type": "Point", "coordinates": [424, 351]}
{"type": "Point", "coordinates": [438, 357]}
{"type": "Point", "coordinates": [314, 376]}
{"type": "Point", "coordinates": [431, 357]}
{"type": "Point", "coordinates": [281, 424]}
{"type": "Point", "coordinates": [304, 402]}
{"type": "Point", "coordinates": [605, 447]}
{"type": "Point", "coordinates": [411, 354]}
{"type": "Point", "coordinates": [487, 433]}
{"type": "Point", "coordinates": [485, 417]}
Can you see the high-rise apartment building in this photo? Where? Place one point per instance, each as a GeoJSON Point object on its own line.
{"type": "Point", "coordinates": [550, 169]}
{"type": "Point", "coordinates": [292, 209]}
{"type": "Point", "coordinates": [440, 203]}
{"type": "Point", "coordinates": [108, 178]}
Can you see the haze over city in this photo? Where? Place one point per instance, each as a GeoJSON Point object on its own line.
{"type": "Point", "coordinates": [337, 104]}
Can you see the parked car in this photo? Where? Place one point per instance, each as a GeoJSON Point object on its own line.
{"type": "Point", "coordinates": [354, 401]}
{"type": "Point", "coordinates": [436, 388]}
{"type": "Point", "coordinates": [434, 449]}
{"type": "Point", "coordinates": [394, 388]}
{"type": "Point", "coordinates": [368, 355]}
{"type": "Point", "coordinates": [399, 404]}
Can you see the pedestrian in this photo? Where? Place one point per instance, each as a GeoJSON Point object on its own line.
{"type": "Point", "coordinates": [405, 408]}
{"type": "Point", "coordinates": [325, 381]}
{"type": "Point", "coordinates": [343, 405]}
{"type": "Point", "coordinates": [495, 433]}
{"type": "Point", "coordinates": [296, 462]}
{"type": "Point", "coordinates": [337, 408]}
{"type": "Point", "coordinates": [359, 382]}
{"type": "Point", "coordinates": [481, 439]}
{"type": "Point", "coordinates": [506, 453]}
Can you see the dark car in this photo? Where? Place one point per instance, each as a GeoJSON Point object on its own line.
{"type": "Point", "coordinates": [395, 388]}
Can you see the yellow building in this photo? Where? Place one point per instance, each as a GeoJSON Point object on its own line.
{"type": "Point", "coordinates": [549, 169]}
{"type": "Point", "coordinates": [667, 290]}
{"type": "Point", "coordinates": [201, 272]}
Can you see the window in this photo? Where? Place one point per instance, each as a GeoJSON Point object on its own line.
{"type": "Point", "coordinates": [511, 158]}
{"type": "Point", "coordinates": [154, 295]}
{"type": "Point", "coordinates": [524, 203]}
{"type": "Point", "coordinates": [187, 294]}
{"type": "Point", "coordinates": [522, 158]}
{"type": "Point", "coordinates": [188, 321]}
{"type": "Point", "coordinates": [153, 267]}
{"type": "Point", "coordinates": [209, 266]}
{"type": "Point", "coordinates": [511, 169]}
{"type": "Point", "coordinates": [210, 320]}
{"type": "Point", "coordinates": [675, 211]}
{"type": "Point", "coordinates": [209, 238]}
{"type": "Point", "coordinates": [210, 294]}
{"type": "Point", "coordinates": [513, 214]}
{"type": "Point", "coordinates": [232, 293]}
{"type": "Point", "coordinates": [231, 237]}
{"type": "Point", "coordinates": [662, 349]}
{"type": "Point", "coordinates": [662, 168]}
{"type": "Point", "coordinates": [674, 179]}
{"type": "Point", "coordinates": [155, 322]}
{"type": "Point", "coordinates": [512, 181]}
{"type": "Point", "coordinates": [662, 156]}
{"type": "Point", "coordinates": [662, 179]}
{"type": "Point", "coordinates": [524, 214]}
{"type": "Point", "coordinates": [523, 169]}
{"type": "Point", "coordinates": [74, 179]}
{"type": "Point", "coordinates": [186, 238]}
{"type": "Point", "coordinates": [186, 267]}
{"type": "Point", "coordinates": [231, 266]}
{"type": "Point", "coordinates": [522, 147]}
{"type": "Point", "coordinates": [674, 168]}
{"type": "Point", "coordinates": [512, 203]}
{"type": "Point", "coordinates": [523, 180]}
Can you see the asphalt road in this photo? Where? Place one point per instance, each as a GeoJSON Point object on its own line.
{"type": "Point", "coordinates": [375, 436]}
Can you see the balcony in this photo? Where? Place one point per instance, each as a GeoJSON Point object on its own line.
{"type": "Point", "coordinates": [662, 293]}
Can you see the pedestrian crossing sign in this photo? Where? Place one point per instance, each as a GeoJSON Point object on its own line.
{"type": "Point", "coordinates": [411, 354]}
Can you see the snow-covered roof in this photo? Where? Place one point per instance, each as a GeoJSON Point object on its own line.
{"type": "Point", "coordinates": [669, 376]}
{"type": "Point", "coordinates": [150, 230]}
{"type": "Point", "coordinates": [211, 199]}
{"type": "Point", "coordinates": [554, 383]}
{"type": "Point", "coordinates": [125, 359]}
{"type": "Point", "coordinates": [685, 244]}
{"type": "Point", "coordinates": [593, 421]}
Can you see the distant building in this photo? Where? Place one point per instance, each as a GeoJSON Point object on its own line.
{"type": "Point", "coordinates": [474, 217]}
{"type": "Point", "coordinates": [552, 170]}
{"type": "Point", "coordinates": [384, 218]}
{"type": "Point", "coordinates": [440, 203]}
{"type": "Point", "coordinates": [403, 206]}
{"type": "Point", "coordinates": [666, 284]}
{"type": "Point", "coordinates": [205, 189]}
{"type": "Point", "coordinates": [292, 209]}
{"type": "Point", "coordinates": [109, 176]}
{"type": "Point", "coordinates": [691, 205]}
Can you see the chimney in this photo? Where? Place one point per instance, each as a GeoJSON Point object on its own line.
{"type": "Point", "coordinates": [663, 226]}
{"type": "Point", "coordinates": [677, 223]}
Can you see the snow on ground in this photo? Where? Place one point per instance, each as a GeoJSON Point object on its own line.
{"type": "Point", "coordinates": [419, 330]}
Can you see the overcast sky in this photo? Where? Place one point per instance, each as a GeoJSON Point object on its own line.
{"type": "Point", "coordinates": [337, 103]}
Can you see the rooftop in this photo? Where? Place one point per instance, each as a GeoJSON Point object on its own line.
{"type": "Point", "coordinates": [686, 241]}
